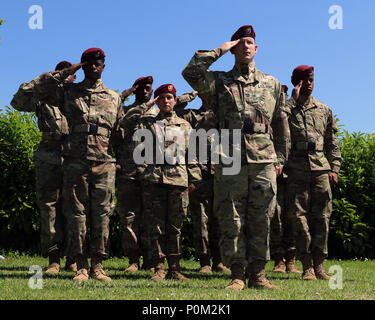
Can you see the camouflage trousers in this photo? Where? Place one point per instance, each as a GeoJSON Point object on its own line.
{"type": "Point", "coordinates": [129, 208]}
{"type": "Point", "coordinates": [49, 179]}
{"type": "Point", "coordinates": [281, 236]}
{"type": "Point", "coordinates": [88, 192]}
{"type": "Point", "coordinates": [244, 205]}
{"type": "Point", "coordinates": [309, 205]}
{"type": "Point", "coordinates": [165, 208]}
{"type": "Point", "coordinates": [205, 224]}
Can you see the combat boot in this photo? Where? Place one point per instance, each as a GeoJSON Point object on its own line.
{"type": "Point", "coordinates": [217, 264]}
{"type": "Point", "coordinates": [290, 261]}
{"type": "Point", "coordinates": [70, 264]}
{"type": "Point", "coordinates": [279, 263]}
{"type": "Point", "coordinates": [174, 268]}
{"type": "Point", "coordinates": [133, 261]}
{"type": "Point", "coordinates": [82, 267]}
{"type": "Point", "coordinates": [204, 261]}
{"type": "Point", "coordinates": [54, 263]}
{"type": "Point", "coordinates": [159, 274]}
{"type": "Point", "coordinates": [308, 270]}
{"type": "Point", "coordinates": [147, 265]}
{"type": "Point", "coordinates": [238, 277]}
{"type": "Point", "coordinates": [318, 258]}
{"type": "Point", "coordinates": [96, 271]}
{"type": "Point", "coordinates": [257, 278]}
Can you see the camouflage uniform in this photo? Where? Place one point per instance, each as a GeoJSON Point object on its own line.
{"type": "Point", "coordinates": [48, 167]}
{"type": "Point", "coordinates": [205, 224]}
{"type": "Point", "coordinates": [92, 112]}
{"type": "Point", "coordinates": [314, 154]}
{"type": "Point", "coordinates": [165, 195]}
{"type": "Point", "coordinates": [129, 195]}
{"type": "Point", "coordinates": [251, 101]}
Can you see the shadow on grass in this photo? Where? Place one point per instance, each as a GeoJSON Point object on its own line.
{"type": "Point", "coordinates": [13, 268]}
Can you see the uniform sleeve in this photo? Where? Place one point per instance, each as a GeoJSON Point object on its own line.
{"type": "Point", "coordinates": [197, 72]}
{"type": "Point", "coordinates": [117, 131]}
{"type": "Point", "coordinates": [192, 167]}
{"type": "Point", "coordinates": [24, 99]}
{"type": "Point", "coordinates": [331, 147]}
{"type": "Point", "coordinates": [130, 120]}
{"type": "Point", "coordinates": [280, 128]}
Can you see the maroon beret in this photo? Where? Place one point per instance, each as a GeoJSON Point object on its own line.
{"type": "Point", "coordinates": [301, 73]}
{"type": "Point", "coordinates": [92, 53]}
{"type": "Point", "coordinates": [242, 32]}
{"type": "Point", "coordinates": [62, 65]}
{"type": "Point", "coordinates": [285, 88]}
{"type": "Point", "coordinates": [165, 88]}
{"type": "Point", "coordinates": [142, 81]}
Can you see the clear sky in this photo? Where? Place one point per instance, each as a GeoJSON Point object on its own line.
{"type": "Point", "coordinates": [158, 38]}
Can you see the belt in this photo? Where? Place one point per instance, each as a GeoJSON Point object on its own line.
{"type": "Point", "coordinates": [91, 128]}
{"type": "Point", "coordinates": [311, 146]}
{"type": "Point", "coordinates": [255, 127]}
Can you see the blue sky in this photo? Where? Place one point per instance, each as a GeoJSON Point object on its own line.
{"type": "Point", "coordinates": [158, 38]}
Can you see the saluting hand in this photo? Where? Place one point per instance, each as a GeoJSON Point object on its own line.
{"type": "Point", "coordinates": [226, 46]}
{"type": "Point", "coordinates": [296, 90]}
{"type": "Point", "coordinates": [127, 92]}
{"type": "Point", "coordinates": [151, 102]}
{"type": "Point", "coordinates": [75, 67]}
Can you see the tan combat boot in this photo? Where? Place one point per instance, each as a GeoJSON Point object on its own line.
{"type": "Point", "coordinates": [204, 261]}
{"type": "Point", "coordinates": [308, 270]}
{"type": "Point", "coordinates": [238, 277]}
{"type": "Point", "coordinates": [82, 267]}
{"type": "Point", "coordinates": [70, 264]}
{"type": "Point", "coordinates": [290, 261]}
{"type": "Point", "coordinates": [279, 263]}
{"type": "Point", "coordinates": [147, 264]}
{"type": "Point", "coordinates": [54, 263]}
{"type": "Point", "coordinates": [133, 261]}
{"type": "Point", "coordinates": [257, 278]}
{"type": "Point", "coordinates": [159, 274]}
{"type": "Point", "coordinates": [96, 271]}
{"type": "Point", "coordinates": [174, 268]}
{"type": "Point", "coordinates": [318, 258]}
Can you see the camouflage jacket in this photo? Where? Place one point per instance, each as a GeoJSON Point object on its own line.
{"type": "Point", "coordinates": [313, 132]}
{"type": "Point", "coordinates": [92, 112]}
{"type": "Point", "coordinates": [255, 105]}
{"type": "Point", "coordinates": [51, 122]}
{"type": "Point", "coordinates": [165, 129]}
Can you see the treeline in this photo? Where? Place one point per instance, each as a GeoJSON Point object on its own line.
{"type": "Point", "coordinates": [352, 228]}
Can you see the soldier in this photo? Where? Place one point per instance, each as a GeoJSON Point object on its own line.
{"type": "Point", "coordinates": [282, 243]}
{"type": "Point", "coordinates": [313, 167]}
{"type": "Point", "coordinates": [48, 172]}
{"type": "Point", "coordinates": [205, 224]}
{"type": "Point", "coordinates": [166, 183]}
{"type": "Point", "coordinates": [251, 102]}
{"type": "Point", "coordinates": [92, 111]}
{"type": "Point", "coordinates": [128, 182]}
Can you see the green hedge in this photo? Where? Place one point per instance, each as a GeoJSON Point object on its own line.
{"type": "Point", "coordinates": [352, 229]}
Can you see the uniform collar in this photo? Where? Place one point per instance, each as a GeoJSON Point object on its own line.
{"type": "Point", "coordinates": [246, 73]}
{"type": "Point", "coordinates": [88, 85]}
{"type": "Point", "coordinates": [308, 104]}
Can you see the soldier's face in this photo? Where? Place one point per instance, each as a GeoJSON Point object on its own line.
{"type": "Point", "coordinates": [245, 50]}
{"type": "Point", "coordinates": [144, 93]}
{"type": "Point", "coordinates": [308, 85]}
{"type": "Point", "coordinates": [166, 102]}
{"type": "Point", "coordinates": [93, 69]}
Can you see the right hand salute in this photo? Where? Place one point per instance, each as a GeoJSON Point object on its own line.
{"type": "Point", "coordinates": [151, 102]}
{"type": "Point", "coordinates": [226, 46]}
{"type": "Point", "coordinates": [75, 67]}
{"type": "Point", "coordinates": [296, 90]}
{"type": "Point", "coordinates": [127, 92]}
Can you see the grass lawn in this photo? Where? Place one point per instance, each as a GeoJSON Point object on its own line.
{"type": "Point", "coordinates": [358, 282]}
